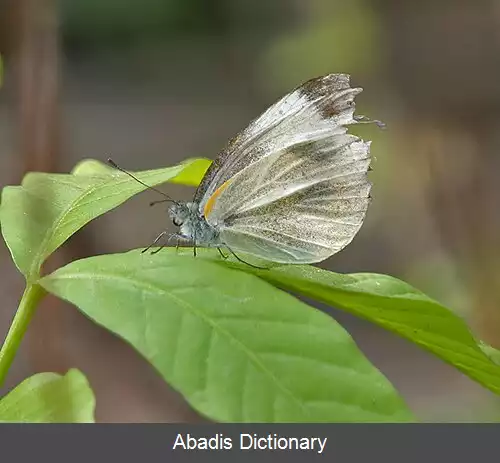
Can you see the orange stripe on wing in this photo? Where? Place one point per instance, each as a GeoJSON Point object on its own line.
{"type": "Point", "coordinates": [211, 201]}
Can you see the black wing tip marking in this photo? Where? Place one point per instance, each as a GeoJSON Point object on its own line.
{"type": "Point", "coordinates": [331, 93]}
{"type": "Point", "coordinates": [335, 96]}
{"type": "Point", "coordinates": [326, 84]}
{"type": "Point", "coordinates": [340, 80]}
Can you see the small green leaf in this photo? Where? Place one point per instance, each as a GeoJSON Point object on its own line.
{"type": "Point", "coordinates": [50, 398]}
{"type": "Point", "coordinates": [397, 307]}
{"type": "Point", "coordinates": [92, 167]}
{"type": "Point", "coordinates": [41, 214]}
{"type": "Point", "coordinates": [238, 349]}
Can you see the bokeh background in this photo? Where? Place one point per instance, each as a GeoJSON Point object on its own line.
{"type": "Point", "coordinates": [151, 82]}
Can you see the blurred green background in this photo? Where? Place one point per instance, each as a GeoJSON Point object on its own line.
{"type": "Point", "coordinates": [151, 82]}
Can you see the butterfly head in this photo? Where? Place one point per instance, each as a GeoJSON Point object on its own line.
{"type": "Point", "coordinates": [192, 224]}
{"type": "Point", "coordinates": [180, 213]}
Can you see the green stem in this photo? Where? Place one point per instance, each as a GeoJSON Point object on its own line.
{"type": "Point", "coordinates": [31, 297]}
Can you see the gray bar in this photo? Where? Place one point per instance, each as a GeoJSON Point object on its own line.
{"type": "Point", "coordinates": [345, 443]}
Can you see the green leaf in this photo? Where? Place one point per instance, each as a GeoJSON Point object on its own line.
{"type": "Point", "coordinates": [92, 167]}
{"type": "Point", "coordinates": [50, 398]}
{"type": "Point", "coordinates": [397, 307]}
{"type": "Point", "coordinates": [41, 214]}
{"type": "Point", "coordinates": [238, 349]}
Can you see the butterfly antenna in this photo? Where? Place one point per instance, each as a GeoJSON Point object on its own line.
{"type": "Point", "coordinates": [167, 197]}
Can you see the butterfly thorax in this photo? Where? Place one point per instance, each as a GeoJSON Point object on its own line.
{"type": "Point", "coordinates": [192, 225]}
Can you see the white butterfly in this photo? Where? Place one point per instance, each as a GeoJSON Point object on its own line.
{"type": "Point", "coordinates": [292, 187]}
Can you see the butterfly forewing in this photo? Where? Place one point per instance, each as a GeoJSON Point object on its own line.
{"type": "Point", "coordinates": [324, 104]}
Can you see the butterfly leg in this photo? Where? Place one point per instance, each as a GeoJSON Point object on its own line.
{"type": "Point", "coordinates": [194, 243]}
{"type": "Point", "coordinates": [172, 235]}
{"type": "Point", "coordinates": [156, 251]}
{"type": "Point", "coordinates": [221, 253]}
{"type": "Point", "coordinates": [244, 262]}
{"type": "Point", "coordinates": [158, 238]}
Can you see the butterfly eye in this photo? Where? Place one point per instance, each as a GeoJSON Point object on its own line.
{"type": "Point", "coordinates": [177, 222]}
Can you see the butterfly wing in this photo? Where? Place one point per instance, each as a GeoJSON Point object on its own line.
{"type": "Point", "coordinates": [304, 194]}
{"type": "Point", "coordinates": [323, 104]}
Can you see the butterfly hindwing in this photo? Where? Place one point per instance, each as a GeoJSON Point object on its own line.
{"type": "Point", "coordinates": [302, 205]}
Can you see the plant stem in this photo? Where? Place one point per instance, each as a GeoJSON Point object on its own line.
{"type": "Point", "coordinates": [32, 295]}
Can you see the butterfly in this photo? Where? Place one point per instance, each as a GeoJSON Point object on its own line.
{"type": "Point", "coordinates": [292, 187]}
